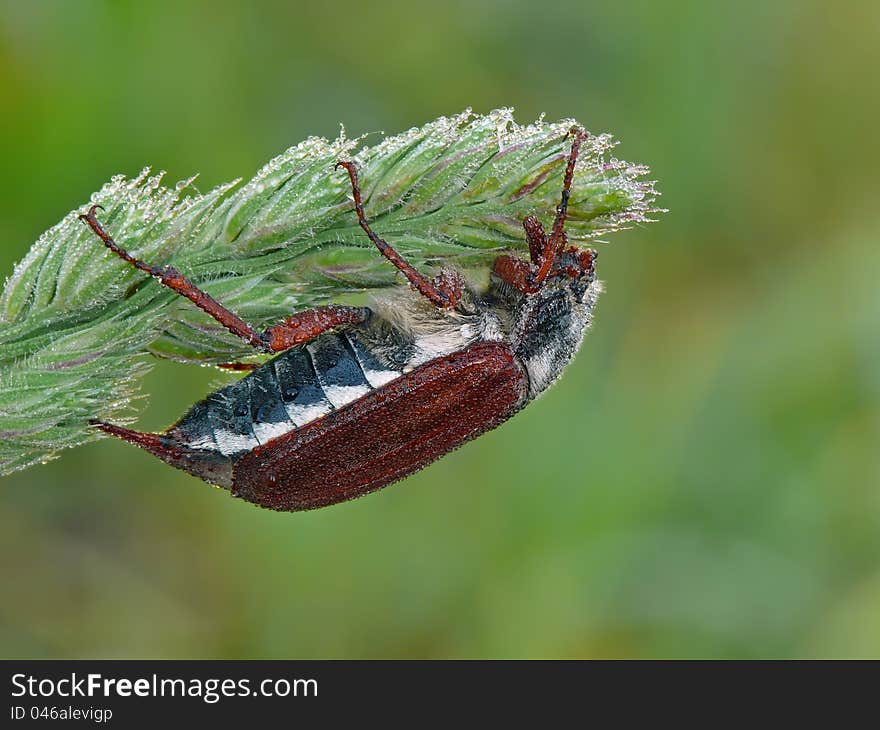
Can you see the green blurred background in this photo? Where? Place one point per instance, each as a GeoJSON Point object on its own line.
{"type": "Point", "coordinates": [704, 482]}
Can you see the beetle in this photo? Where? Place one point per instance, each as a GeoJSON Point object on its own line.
{"type": "Point", "coordinates": [357, 398]}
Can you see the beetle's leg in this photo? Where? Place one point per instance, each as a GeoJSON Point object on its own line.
{"type": "Point", "coordinates": [537, 239]}
{"type": "Point", "coordinates": [171, 278]}
{"type": "Point", "coordinates": [516, 272]}
{"type": "Point", "coordinates": [513, 270]}
{"type": "Point", "coordinates": [295, 330]}
{"type": "Point", "coordinates": [437, 291]}
{"type": "Point", "coordinates": [450, 283]}
{"type": "Point", "coordinates": [557, 233]}
{"type": "Point", "coordinates": [529, 277]}
{"type": "Point", "coordinates": [305, 326]}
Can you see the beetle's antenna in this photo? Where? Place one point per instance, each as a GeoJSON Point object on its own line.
{"type": "Point", "coordinates": [557, 234]}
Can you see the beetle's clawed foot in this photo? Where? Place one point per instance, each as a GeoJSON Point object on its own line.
{"type": "Point", "coordinates": [579, 133]}
{"type": "Point", "coordinates": [352, 169]}
{"type": "Point", "coordinates": [90, 216]}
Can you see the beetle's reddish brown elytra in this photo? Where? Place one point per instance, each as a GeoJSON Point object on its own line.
{"type": "Point", "coordinates": [361, 397]}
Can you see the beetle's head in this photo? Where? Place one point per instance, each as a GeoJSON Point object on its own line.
{"type": "Point", "coordinates": [551, 321]}
{"type": "Point", "coordinates": [574, 269]}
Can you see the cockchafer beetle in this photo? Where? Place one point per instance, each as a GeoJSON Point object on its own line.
{"type": "Point", "coordinates": [360, 397]}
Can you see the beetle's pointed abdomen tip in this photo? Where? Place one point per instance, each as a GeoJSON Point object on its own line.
{"type": "Point", "coordinates": [154, 443]}
{"type": "Point", "coordinates": [213, 467]}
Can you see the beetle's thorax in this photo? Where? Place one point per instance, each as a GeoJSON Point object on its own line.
{"type": "Point", "coordinates": [544, 329]}
{"type": "Point", "coordinates": [423, 332]}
